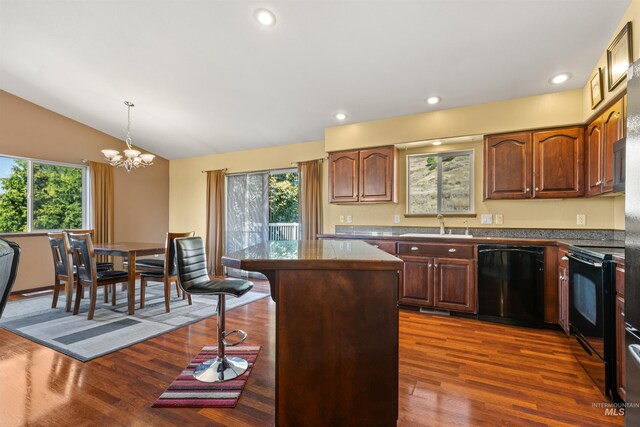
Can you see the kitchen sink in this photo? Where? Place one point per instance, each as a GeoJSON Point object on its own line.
{"type": "Point", "coordinates": [432, 235]}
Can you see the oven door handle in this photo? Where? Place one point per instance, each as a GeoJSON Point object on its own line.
{"type": "Point", "coordinates": [584, 261]}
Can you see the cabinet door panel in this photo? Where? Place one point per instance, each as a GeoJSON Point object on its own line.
{"type": "Point", "coordinates": [593, 145]}
{"type": "Point", "coordinates": [558, 163]}
{"type": "Point", "coordinates": [454, 285]}
{"type": "Point", "coordinates": [621, 348]}
{"type": "Point", "coordinates": [417, 282]}
{"type": "Point", "coordinates": [343, 177]}
{"type": "Point", "coordinates": [377, 171]}
{"type": "Point", "coordinates": [613, 129]}
{"type": "Point", "coordinates": [507, 166]}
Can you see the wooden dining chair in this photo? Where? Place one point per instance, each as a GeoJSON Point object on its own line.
{"type": "Point", "coordinates": [168, 273]}
{"type": "Point", "coordinates": [102, 266]}
{"type": "Point", "coordinates": [84, 258]}
{"type": "Point", "coordinates": [63, 266]}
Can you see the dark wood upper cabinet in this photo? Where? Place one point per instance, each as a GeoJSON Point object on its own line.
{"type": "Point", "coordinates": [343, 176]}
{"type": "Point", "coordinates": [507, 165]}
{"type": "Point", "coordinates": [363, 176]}
{"type": "Point", "coordinates": [601, 137]}
{"type": "Point", "coordinates": [558, 163]}
{"type": "Point", "coordinates": [377, 174]}
{"type": "Point", "coordinates": [593, 163]}
{"type": "Point", "coordinates": [548, 164]}
{"type": "Point", "coordinates": [613, 124]}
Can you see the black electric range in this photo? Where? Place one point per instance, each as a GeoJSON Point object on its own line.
{"type": "Point", "coordinates": [592, 313]}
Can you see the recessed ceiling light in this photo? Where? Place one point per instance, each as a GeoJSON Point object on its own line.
{"type": "Point", "coordinates": [436, 143]}
{"type": "Point", "coordinates": [560, 78]}
{"type": "Point", "coordinates": [433, 100]}
{"type": "Point", "coordinates": [341, 116]}
{"type": "Point", "coordinates": [265, 17]}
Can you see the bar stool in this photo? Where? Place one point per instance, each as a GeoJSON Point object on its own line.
{"type": "Point", "coordinates": [193, 278]}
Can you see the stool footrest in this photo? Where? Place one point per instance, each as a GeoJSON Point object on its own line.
{"type": "Point", "coordinates": [235, 331]}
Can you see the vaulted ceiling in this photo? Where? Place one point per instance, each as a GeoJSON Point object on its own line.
{"type": "Point", "coordinates": [207, 78]}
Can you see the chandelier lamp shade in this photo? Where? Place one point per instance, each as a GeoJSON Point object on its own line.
{"type": "Point", "coordinates": [132, 158]}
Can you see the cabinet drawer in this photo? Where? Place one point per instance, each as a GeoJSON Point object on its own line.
{"type": "Point", "coordinates": [385, 245]}
{"type": "Point", "coordinates": [436, 250]}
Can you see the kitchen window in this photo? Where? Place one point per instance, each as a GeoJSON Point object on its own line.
{"type": "Point", "coordinates": [440, 183]}
{"type": "Point", "coordinates": [37, 196]}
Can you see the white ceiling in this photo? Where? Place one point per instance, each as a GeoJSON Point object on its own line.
{"type": "Point", "coordinates": [206, 78]}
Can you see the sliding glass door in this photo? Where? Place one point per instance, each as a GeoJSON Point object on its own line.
{"type": "Point", "coordinates": [247, 210]}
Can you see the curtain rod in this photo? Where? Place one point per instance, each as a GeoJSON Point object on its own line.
{"type": "Point", "coordinates": [302, 161]}
{"type": "Point", "coordinates": [213, 170]}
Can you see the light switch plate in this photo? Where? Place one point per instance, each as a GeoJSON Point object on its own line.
{"type": "Point", "coordinates": [349, 219]}
{"type": "Point", "coordinates": [486, 219]}
{"type": "Point", "coordinates": [499, 219]}
{"type": "Point", "coordinates": [342, 219]}
{"type": "Point", "coordinates": [581, 219]}
{"type": "Point", "coordinates": [396, 219]}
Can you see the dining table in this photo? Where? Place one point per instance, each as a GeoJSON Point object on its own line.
{"type": "Point", "coordinates": [129, 251]}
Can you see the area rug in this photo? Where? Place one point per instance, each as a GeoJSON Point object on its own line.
{"type": "Point", "coordinates": [111, 328]}
{"type": "Point", "coordinates": [187, 392]}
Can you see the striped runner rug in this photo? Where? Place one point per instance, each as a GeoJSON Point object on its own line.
{"type": "Point", "coordinates": [187, 392]}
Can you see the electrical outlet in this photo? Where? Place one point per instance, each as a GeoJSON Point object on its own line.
{"type": "Point", "coordinates": [349, 219]}
{"type": "Point", "coordinates": [342, 219]}
{"type": "Point", "coordinates": [499, 219]}
{"type": "Point", "coordinates": [581, 219]}
{"type": "Point", "coordinates": [486, 219]}
{"type": "Point", "coordinates": [396, 219]}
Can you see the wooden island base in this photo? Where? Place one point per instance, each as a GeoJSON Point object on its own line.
{"type": "Point", "coordinates": [336, 330]}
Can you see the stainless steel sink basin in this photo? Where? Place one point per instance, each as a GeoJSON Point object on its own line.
{"type": "Point", "coordinates": [433, 235]}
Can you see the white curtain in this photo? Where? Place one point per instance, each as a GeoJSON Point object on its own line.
{"type": "Point", "coordinates": [247, 210]}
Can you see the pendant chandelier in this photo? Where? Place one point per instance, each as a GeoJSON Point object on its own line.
{"type": "Point", "coordinates": [132, 159]}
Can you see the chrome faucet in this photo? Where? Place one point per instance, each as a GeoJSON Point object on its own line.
{"type": "Point", "coordinates": [466, 223]}
{"type": "Point", "coordinates": [441, 219]}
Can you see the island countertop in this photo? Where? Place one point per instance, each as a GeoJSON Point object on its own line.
{"type": "Point", "coordinates": [312, 254]}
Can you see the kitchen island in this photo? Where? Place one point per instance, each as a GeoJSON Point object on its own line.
{"type": "Point", "coordinates": [336, 330]}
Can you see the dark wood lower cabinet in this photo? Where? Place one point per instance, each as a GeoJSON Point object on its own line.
{"type": "Point", "coordinates": [443, 283]}
{"type": "Point", "coordinates": [416, 283]}
{"type": "Point", "coordinates": [621, 346]}
{"type": "Point", "coordinates": [455, 284]}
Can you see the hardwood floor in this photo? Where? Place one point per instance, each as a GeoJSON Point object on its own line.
{"type": "Point", "coordinates": [453, 372]}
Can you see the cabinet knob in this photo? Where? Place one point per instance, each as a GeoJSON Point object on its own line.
{"type": "Point", "coordinates": [564, 258]}
{"type": "Point", "coordinates": [528, 189]}
{"type": "Point", "coordinates": [452, 250]}
{"type": "Point", "coordinates": [537, 189]}
{"type": "Point", "coordinates": [435, 265]}
{"type": "Point", "coordinates": [414, 248]}
{"type": "Point", "coordinates": [429, 266]}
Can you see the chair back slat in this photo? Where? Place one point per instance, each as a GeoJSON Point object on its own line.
{"type": "Point", "coordinates": [83, 256]}
{"type": "Point", "coordinates": [191, 262]}
{"type": "Point", "coordinates": [60, 252]}
{"type": "Point", "coordinates": [170, 266]}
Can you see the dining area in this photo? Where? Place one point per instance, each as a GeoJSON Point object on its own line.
{"type": "Point", "coordinates": [79, 264]}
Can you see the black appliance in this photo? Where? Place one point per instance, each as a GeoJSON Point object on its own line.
{"type": "Point", "coordinates": [591, 313]}
{"type": "Point", "coordinates": [511, 284]}
{"type": "Point", "coordinates": [632, 244]}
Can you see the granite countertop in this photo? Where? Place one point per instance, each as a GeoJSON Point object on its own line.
{"type": "Point", "coordinates": [305, 254]}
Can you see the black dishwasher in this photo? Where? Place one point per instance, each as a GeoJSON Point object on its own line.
{"type": "Point", "coordinates": [511, 284]}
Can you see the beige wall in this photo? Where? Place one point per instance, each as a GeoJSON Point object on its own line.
{"type": "Point", "coordinates": [555, 109]}
{"type": "Point", "coordinates": [517, 214]}
{"type": "Point", "coordinates": [632, 14]}
{"type": "Point", "coordinates": [141, 197]}
{"type": "Point", "coordinates": [188, 184]}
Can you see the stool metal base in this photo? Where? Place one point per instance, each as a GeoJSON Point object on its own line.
{"type": "Point", "coordinates": [220, 369]}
